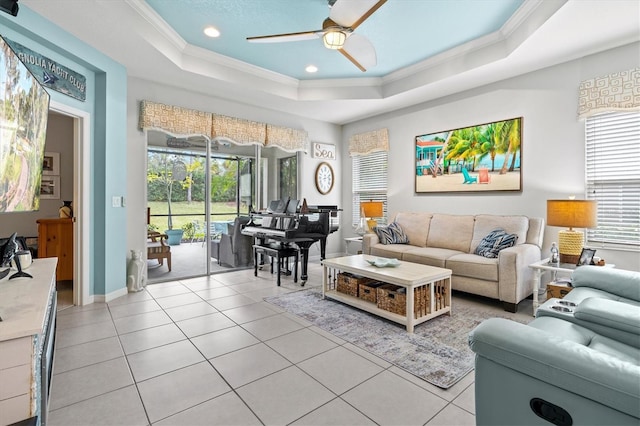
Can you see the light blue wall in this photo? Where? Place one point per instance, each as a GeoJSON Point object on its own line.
{"type": "Point", "coordinates": [106, 104]}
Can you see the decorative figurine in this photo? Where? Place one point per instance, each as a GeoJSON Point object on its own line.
{"type": "Point", "coordinates": [555, 255]}
{"type": "Point", "coordinates": [135, 272]}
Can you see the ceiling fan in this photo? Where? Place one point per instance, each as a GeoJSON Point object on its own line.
{"type": "Point", "coordinates": [337, 31]}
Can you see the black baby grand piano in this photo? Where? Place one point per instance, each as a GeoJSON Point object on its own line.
{"type": "Point", "coordinates": [283, 222]}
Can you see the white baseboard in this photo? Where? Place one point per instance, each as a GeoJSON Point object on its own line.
{"type": "Point", "coordinates": [104, 298]}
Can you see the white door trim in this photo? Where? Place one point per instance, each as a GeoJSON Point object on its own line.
{"type": "Point", "coordinates": [81, 200]}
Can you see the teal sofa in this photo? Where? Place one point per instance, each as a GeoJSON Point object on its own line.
{"type": "Point", "coordinates": [577, 362]}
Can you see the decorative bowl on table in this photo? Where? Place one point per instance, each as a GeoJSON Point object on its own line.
{"type": "Point", "coordinates": [383, 262]}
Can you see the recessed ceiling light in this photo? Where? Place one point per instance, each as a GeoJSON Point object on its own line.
{"type": "Point", "coordinates": [311, 68]}
{"type": "Point", "coordinates": [212, 32]}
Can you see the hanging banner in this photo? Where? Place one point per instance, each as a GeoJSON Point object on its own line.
{"type": "Point", "coordinates": [51, 74]}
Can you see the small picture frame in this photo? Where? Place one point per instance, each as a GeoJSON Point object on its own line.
{"type": "Point", "coordinates": [586, 257]}
{"type": "Point", "coordinates": [50, 188]}
{"type": "Point", "coordinates": [51, 164]}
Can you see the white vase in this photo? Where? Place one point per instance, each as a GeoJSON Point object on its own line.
{"type": "Point", "coordinates": [135, 272]}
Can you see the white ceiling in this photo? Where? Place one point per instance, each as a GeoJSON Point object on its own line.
{"type": "Point", "coordinates": [539, 34]}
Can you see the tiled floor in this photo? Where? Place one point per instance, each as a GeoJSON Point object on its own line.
{"type": "Point", "coordinates": [211, 351]}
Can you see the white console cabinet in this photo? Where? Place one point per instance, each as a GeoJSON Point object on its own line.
{"type": "Point", "coordinates": [27, 309]}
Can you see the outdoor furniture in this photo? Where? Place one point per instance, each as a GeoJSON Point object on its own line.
{"type": "Point", "coordinates": [467, 177]}
{"type": "Point", "coordinates": [158, 248]}
{"type": "Point", "coordinates": [235, 249]}
{"type": "Point", "coordinates": [483, 175]}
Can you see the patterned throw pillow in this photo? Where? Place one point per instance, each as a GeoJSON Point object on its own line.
{"type": "Point", "coordinates": [392, 234]}
{"type": "Point", "coordinates": [497, 240]}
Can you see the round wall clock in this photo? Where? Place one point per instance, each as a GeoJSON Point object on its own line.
{"type": "Point", "coordinates": [324, 178]}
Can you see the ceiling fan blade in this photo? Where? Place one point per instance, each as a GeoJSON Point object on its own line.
{"type": "Point", "coordinates": [352, 13]}
{"type": "Point", "coordinates": [279, 38]}
{"type": "Point", "coordinates": [359, 50]}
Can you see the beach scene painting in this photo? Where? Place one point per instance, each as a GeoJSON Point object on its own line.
{"type": "Point", "coordinates": [484, 157]}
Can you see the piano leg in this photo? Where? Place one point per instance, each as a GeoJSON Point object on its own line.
{"type": "Point", "coordinates": [304, 250]}
{"type": "Point", "coordinates": [323, 247]}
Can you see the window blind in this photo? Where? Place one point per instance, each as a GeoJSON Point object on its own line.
{"type": "Point", "coordinates": [613, 178]}
{"type": "Point", "coordinates": [369, 177]}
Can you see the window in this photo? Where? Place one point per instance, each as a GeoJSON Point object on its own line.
{"type": "Point", "coordinates": [613, 178]}
{"type": "Point", "coordinates": [288, 177]}
{"type": "Point", "coordinates": [369, 177]}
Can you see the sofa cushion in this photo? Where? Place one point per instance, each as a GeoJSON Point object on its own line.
{"type": "Point", "coordinates": [484, 224]}
{"type": "Point", "coordinates": [394, 251]}
{"type": "Point", "coordinates": [391, 234]}
{"type": "Point", "coordinates": [431, 256]}
{"type": "Point", "coordinates": [452, 232]}
{"type": "Point", "coordinates": [472, 265]}
{"type": "Point", "coordinates": [415, 226]}
{"type": "Point", "coordinates": [495, 241]}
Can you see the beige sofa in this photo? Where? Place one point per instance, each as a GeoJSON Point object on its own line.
{"type": "Point", "coordinates": [449, 241]}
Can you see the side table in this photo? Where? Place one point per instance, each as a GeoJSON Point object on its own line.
{"type": "Point", "coordinates": [356, 242]}
{"type": "Point", "coordinates": [544, 265]}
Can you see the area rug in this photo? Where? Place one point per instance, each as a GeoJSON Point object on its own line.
{"type": "Point", "coordinates": [437, 352]}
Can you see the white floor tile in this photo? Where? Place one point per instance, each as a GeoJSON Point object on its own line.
{"type": "Point", "coordinates": [249, 364]}
{"type": "Point", "coordinates": [300, 345]}
{"type": "Point", "coordinates": [285, 396]}
{"type": "Point", "coordinates": [119, 407]}
{"type": "Point", "coordinates": [124, 310]}
{"type": "Point", "coordinates": [151, 338]}
{"type": "Point", "coordinates": [216, 293]}
{"type": "Point", "coordinates": [192, 310]}
{"type": "Point", "coordinates": [467, 399]}
{"type": "Point", "coordinates": [141, 321]}
{"type": "Point", "coordinates": [85, 317]}
{"type": "Point", "coordinates": [389, 400]}
{"type": "Point", "coordinates": [166, 291]}
{"type": "Point", "coordinates": [204, 324]}
{"type": "Point", "coordinates": [140, 296]}
{"type": "Point", "coordinates": [161, 360]}
{"type": "Point", "coordinates": [87, 382]}
{"type": "Point", "coordinates": [224, 341]}
{"type": "Point", "coordinates": [178, 390]}
{"type": "Point", "coordinates": [224, 410]}
{"type": "Point", "coordinates": [178, 300]}
{"type": "Point", "coordinates": [334, 413]}
{"type": "Point", "coordinates": [85, 354]}
{"type": "Point", "coordinates": [453, 416]}
{"type": "Point", "coordinates": [87, 333]}
{"type": "Point", "coordinates": [340, 369]}
{"type": "Point", "coordinates": [249, 313]}
{"type": "Point", "coordinates": [225, 303]}
{"type": "Point", "coordinates": [270, 327]}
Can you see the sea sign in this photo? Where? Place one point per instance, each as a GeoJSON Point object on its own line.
{"type": "Point", "coordinates": [324, 151]}
{"type": "Point", "coordinates": [50, 73]}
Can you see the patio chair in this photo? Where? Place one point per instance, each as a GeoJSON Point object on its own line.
{"type": "Point", "coordinates": [467, 177]}
{"type": "Point", "coordinates": [157, 247]}
{"type": "Point", "coordinates": [483, 175]}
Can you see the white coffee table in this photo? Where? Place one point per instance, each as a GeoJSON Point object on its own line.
{"type": "Point", "coordinates": [406, 274]}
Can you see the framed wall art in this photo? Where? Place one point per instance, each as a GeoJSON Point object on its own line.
{"type": "Point", "coordinates": [481, 158]}
{"type": "Point", "coordinates": [50, 188]}
{"type": "Point", "coordinates": [51, 164]}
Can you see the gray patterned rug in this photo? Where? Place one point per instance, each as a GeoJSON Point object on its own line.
{"type": "Point", "coordinates": [437, 352]}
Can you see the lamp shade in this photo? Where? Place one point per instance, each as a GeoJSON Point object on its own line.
{"type": "Point", "coordinates": [572, 213]}
{"type": "Point", "coordinates": [372, 208]}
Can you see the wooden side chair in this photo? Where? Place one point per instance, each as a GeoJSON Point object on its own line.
{"type": "Point", "coordinates": [157, 247]}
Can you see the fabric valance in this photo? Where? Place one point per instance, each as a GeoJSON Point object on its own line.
{"type": "Point", "coordinates": [366, 143]}
{"type": "Point", "coordinates": [238, 131]}
{"type": "Point", "coordinates": [174, 120]}
{"type": "Point", "coordinates": [288, 139]}
{"type": "Point", "coordinates": [619, 91]}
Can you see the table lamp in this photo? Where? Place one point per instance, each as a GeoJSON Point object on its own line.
{"type": "Point", "coordinates": [571, 213]}
{"type": "Point", "coordinates": [371, 210]}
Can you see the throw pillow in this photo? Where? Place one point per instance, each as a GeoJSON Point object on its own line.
{"type": "Point", "coordinates": [497, 240]}
{"type": "Point", "coordinates": [392, 234]}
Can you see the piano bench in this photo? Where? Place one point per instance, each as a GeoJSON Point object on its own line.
{"type": "Point", "coordinates": [279, 253]}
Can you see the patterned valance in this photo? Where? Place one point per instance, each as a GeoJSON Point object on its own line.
{"type": "Point", "coordinates": [614, 92]}
{"type": "Point", "coordinates": [288, 139]}
{"type": "Point", "coordinates": [174, 120]}
{"type": "Point", "coordinates": [238, 131]}
{"type": "Point", "coordinates": [366, 143]}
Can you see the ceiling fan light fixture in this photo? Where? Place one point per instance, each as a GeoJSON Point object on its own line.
{"type": "Point", "coordinates": [334, 39]}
